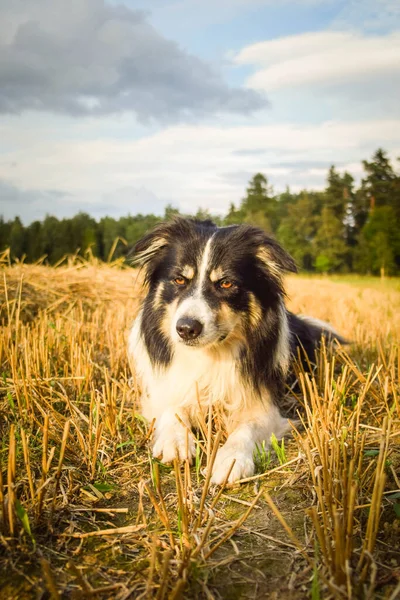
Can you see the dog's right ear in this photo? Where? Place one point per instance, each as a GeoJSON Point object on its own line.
{"type": "Point", "coordinates": [151, 244]}
{"type": "Point", "coordinates": [150, 250]}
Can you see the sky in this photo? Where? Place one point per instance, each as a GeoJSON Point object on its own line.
{"type": "Point", "coordinates": [115, 108]}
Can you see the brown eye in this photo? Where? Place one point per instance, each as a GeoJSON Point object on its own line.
{"type": "Point", "coordinates": [180, 280]}
{"type": "Point", "coordinates": [226, 284]}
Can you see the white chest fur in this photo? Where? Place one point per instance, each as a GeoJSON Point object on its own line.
{"type": "Point", "coordinates": [199, 376]}
{"type": "Point", "coordinates": [194, 375]}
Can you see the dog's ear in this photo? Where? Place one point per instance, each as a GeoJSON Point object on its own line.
{"type": "Point", "coordinates": [151, 248]}
{"type": "Point", "coordinates": [147, 248]}
{"type": "Point", "coordinates": [277, 260]}
{"type": "Point", "coordinates": [266, 248]}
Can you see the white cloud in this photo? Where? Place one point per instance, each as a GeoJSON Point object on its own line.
{"type": "Point", "coordinates": [89, 57]}
{"type": "Point", "coordinates": [369, 15]}
{"type": "Point", "coordinates": [33, 204]}
{"type": "Point", "coordinates": [192, 166]}
{"type": "Point", "coordinates": [334, 99]}
{"type": "Point", "coordinates": [323, 58]}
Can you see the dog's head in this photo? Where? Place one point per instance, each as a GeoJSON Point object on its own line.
{"type": "Point", "coordinates": [210, 282]}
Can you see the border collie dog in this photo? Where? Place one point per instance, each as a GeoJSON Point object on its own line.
{"type": "Point", "coordinates": [213, 328]}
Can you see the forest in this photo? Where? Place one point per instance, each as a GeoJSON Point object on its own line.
{"type": "Point", "coordinates": [344, 228]}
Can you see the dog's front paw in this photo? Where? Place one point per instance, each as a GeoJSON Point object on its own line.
{"type": "Point", "coordinates": [243, 467]}
{"type": "Point", "coordinates": [174, 442]}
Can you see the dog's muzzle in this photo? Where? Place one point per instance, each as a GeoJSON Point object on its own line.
{"type": "Point", "coordinates": [189, 329]}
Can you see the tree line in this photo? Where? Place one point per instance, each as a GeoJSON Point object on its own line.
{"type": "Point", "coordinates": [341, 229]}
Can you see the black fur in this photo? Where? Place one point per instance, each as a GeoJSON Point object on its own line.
{"type": "Point", "coordinates": [305, 338]}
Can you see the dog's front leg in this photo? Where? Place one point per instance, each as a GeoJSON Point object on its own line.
{"type": "Point", "coordinates": [171, 438]}
{"type": "Point", "coordinates": [247, 429]}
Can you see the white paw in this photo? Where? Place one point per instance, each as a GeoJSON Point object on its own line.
{"type": "Point", "coordinates": [243, 467]}
{"type": "Point", "coordinates": [174, 442]}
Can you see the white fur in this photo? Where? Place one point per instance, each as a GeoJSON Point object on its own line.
{"type": "Point", "coordinates": [203, 268]}
{"type": "Point", "coordinates": [196, 306]}
{"type": "Point", "coordinates": [212, 373]}
{"type": "Point", "coordinates": [172, 439]}
{"type": "Point", "coordinates": [147, 254]}
{"type": "Point", "coordinates": [256, 424]}
{"type": "Point", "coordinates": [283, 347]}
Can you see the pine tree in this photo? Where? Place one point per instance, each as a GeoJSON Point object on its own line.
{"type": "Point", "coordinates": [329, 244]}
{"type": "Point", "coordinates": [5, 228]}
{"type": "Point", "coordinates": [338, 192]}
{"type": "Point", "coordinates": [234, 216]}
{"type": "Point", "coordinates": [259, 206]}
{"type": "Point", "coordinates": [381, 186]}
{"type": "Point", "coordinates": [34, 241]}
{"type": "Point", "coordinates": [17, 239]}
{"type": "Point", "coordinates": [297, 230]}
{"type": "Point", "coordinates": [379, 244]}
{"type": "Point", "coordinates": [170, 212]}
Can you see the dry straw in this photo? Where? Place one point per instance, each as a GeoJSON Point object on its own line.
{"type": "Point", "coordinates": [76, 478]}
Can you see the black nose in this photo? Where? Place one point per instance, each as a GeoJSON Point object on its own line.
{"type": "Point", "coordinates": [189, 329]}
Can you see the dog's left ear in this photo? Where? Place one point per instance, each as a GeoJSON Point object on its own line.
{"type": "Point", "coordinates": [275, 258]}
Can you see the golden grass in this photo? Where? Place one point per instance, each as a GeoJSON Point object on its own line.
{"type": "Point", "coordinates": [86, 512]}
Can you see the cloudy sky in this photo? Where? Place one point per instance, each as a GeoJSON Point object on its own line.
{"type": "Point", "coordinates": [123, 107]}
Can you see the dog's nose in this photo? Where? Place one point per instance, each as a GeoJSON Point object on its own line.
{"type": "Point", "coordinates": [189, 329]}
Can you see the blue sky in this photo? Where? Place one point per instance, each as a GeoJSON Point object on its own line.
{"type": "Point", "coordinates": [210, 29]}
{"type": "Point", "coordinates": [116, 108]}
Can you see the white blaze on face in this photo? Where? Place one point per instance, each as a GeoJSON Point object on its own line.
{"type": "Point", "coordinates": [196, 306]}
{"type": "Point", "coordinates": [204, 266]}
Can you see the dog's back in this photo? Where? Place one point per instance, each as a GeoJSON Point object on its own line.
{"type": "Point", "coordinates": [306, 334]}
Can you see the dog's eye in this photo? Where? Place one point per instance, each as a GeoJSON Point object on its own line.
{"type": "Point", "coordinates": [226, 284]}
{"type": "Point", "coordinates": [180, 280]}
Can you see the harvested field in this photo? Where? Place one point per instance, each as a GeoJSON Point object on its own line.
{"type": "Point", "coordinates": [86, 512]}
